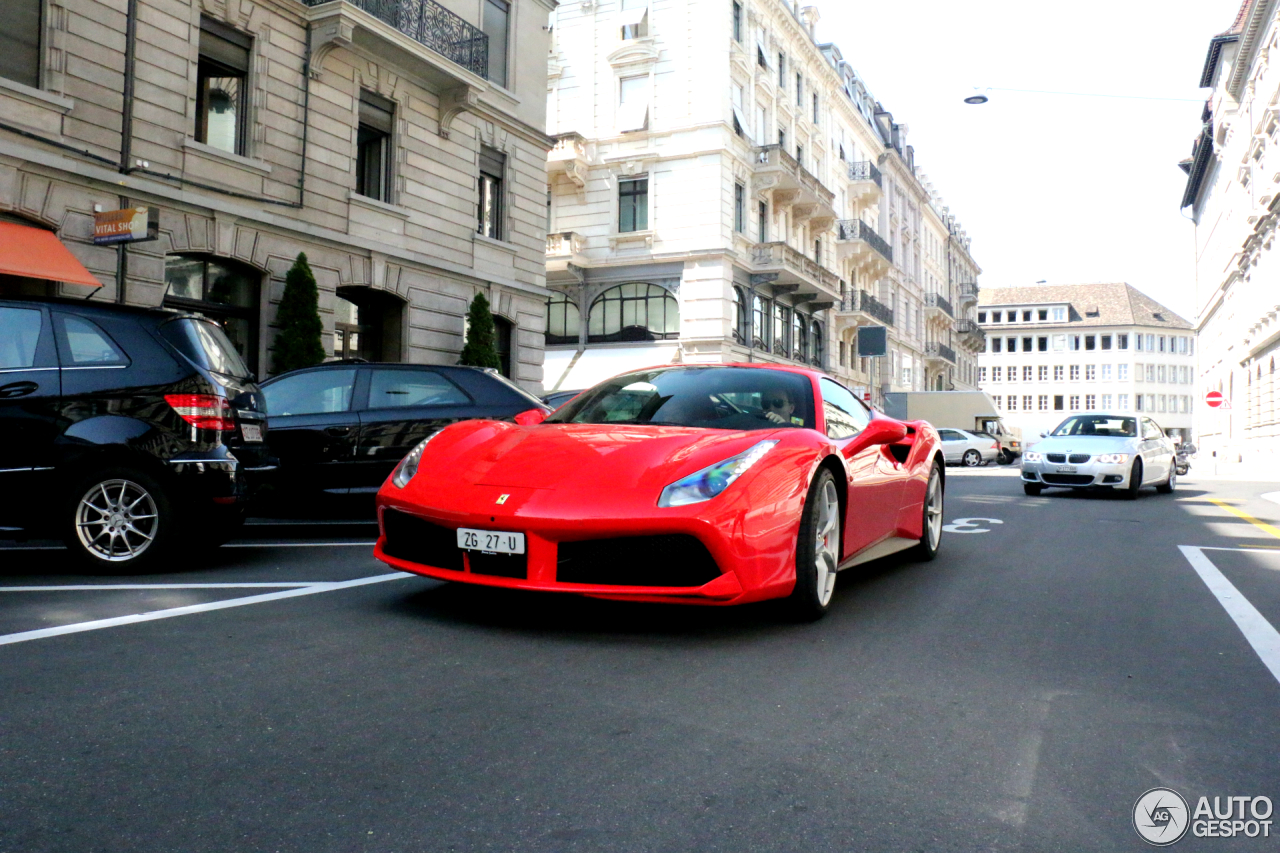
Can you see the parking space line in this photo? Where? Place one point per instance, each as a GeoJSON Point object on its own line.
{"type": "Point", "coordinates": [98, 586]}
{"type": "Point", "coordinates": [1261, 525]}
{"type": "Point", "coordinates": [189, 609]}
{"type": "Point", "coordinates": [1260, 634]}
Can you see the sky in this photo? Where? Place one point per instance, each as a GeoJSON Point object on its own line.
{"type": "Point", "coordinates": [1063, 188]}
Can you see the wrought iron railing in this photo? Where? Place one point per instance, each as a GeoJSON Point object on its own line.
{"type": "Point", "coordinates": [865, 170]}
{"type": "Point", "coordinates": [940, 350]}
{"type": "Point", "coordinates": [860, 301]}
{"type": "Point", "coordinates": [432, 25]}
{"type": "Point", "coordinates": [856, 229]}
{"type": "Point", "coordinates": [965, 326]}
{"type": "Point", "coordinates": [968, 290]}
{"type": "Point", "coordinates": [937, 300]}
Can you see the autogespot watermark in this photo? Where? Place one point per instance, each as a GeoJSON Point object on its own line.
{"type": "Point", "coordinates": [1162, 817]}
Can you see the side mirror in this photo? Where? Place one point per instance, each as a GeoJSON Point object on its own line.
{"type": "Point", "coordinates": [1044, 435]}
{"type": "Point", "coordinates": [882, 431]}
{"type": "Point", "coordinates": [531, 417]}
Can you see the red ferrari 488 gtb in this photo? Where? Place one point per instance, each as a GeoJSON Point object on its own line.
{"type": "Point", "coordinates": [694, 484]}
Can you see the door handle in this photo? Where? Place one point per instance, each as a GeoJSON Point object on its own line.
{"type": "Point", "coordinates": [17, 389]}
{"type": "Point", "coordinates": [337, 430]}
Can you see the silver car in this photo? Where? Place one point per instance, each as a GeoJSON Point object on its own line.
{"type": "Point", "coordinates": [1102, 450]}
{"type": "Point", "coordinates": [967, 448]}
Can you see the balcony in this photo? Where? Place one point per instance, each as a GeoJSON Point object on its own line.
{"type": "Point", "coordinates": [432, 25]}
{"type": "Point", "coordinates": [792, 185]}
{"type": "Point", "coordinates": [794, 268]}
{"type": "Point", "coordinates": [935, 351]}
{"type": "Point", "coordinates": [872, 309]}
{"type": "Point", "coordinates": [858, 240]}
{"type": "Point", "coordinates": [566, 254]}
{"type": "Point", "coordinates": [972, 335]}
{"type": "Point", "coordinates": [865, 182]}
{"type": "Point", "coordinates": [570, 159]}
{"type": "Point", "coordinates": [935, 304]}
{"type": "Point", "coordinates": [968, 292]}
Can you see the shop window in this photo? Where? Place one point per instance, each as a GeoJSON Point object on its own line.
{"type": "Point", "coordinates": [224, 291]}
{"type": "Point", "coordinates": [20, 56]}
{"type": "Point", "coordinates": [634, 312]}
{"type": "Point", "coordinates": [563, 320]}
{"type": "Point", "coordinates": [222, 78]}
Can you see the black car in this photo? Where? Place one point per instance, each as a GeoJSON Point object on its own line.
{"type": "Point", "coordinates": [556, 399]}
{"type": "Point", "coordinates": [340, 428]}
{"type": "Point", "coordinates": [123, 430]}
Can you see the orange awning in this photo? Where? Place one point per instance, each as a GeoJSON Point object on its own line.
{"type": "Point", "coordinates": [36, 253]}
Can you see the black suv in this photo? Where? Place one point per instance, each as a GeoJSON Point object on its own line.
{"type": "Point", "coordinates": [122, 429]}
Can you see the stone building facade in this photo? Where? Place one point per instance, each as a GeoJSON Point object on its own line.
{"type": "Point", "coordinates": [400, 145]}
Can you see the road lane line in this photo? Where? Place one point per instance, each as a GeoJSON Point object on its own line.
{"type": "Point", "coordinates": [1256, 629]}
{"type": "Point", "coordinates": [98, 624]}
{"type": "Point", "coordinates": [1274, 497]}
{"type": "Point", "coordinates": [96, 586]}
{"type": "Point", "coordinates": [1261, 525]}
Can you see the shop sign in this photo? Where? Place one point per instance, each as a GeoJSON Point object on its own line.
{"type": "Point", "coordinates": [131, 225]}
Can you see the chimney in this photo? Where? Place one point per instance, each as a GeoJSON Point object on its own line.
{"type": "Point", "coordinates": [809, 17]}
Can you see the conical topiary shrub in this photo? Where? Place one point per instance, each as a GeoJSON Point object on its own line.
{"type": "Point", "coordinates": [481, 349]}
{"type": "Point", "coordinates": [299, 342]}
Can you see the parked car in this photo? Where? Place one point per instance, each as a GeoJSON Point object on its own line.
{"type": "Point", "coordinates": [969, 449]}
{"type": "Point", "coordinates": [1102, 450]}
{"type": "Point", "coordinates": [708, 484]}
{"type": "Point", "coordinates": [556, 399]}
{"type": "Point", "coordinates": [340, 428]}
{"type": "Point", "coordinates": [123, 430]}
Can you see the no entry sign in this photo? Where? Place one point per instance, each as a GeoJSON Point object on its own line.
{"type": "Point", "coordinates": [1213, 399]}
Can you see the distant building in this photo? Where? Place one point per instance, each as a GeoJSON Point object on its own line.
{"type": "Point", "coordinates": [1233, 190]}
{"type": "Point", "coordinates": [1057, 349]}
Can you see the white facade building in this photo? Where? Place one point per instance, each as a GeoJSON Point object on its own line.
{"type": "Point", "coordinates": [1053, 350]}
{"type": "Point", "coordinates": [1233, 190]}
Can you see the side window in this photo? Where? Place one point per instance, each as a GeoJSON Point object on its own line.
{"type": "Point", "coordinates": [315, 393]}
{"type": "Point", "coordinates": [844, 413]}
{"type": "Point", "coordinates": [1150, 430]}
{"type": "Point", "coordinates": [82, 344]}
{"type": "Point", "coordinates": [19, 335]}
{"type": "Point", "coordinates": [396, 389]}
{"type": "Point", "coordinates": [950, 435]}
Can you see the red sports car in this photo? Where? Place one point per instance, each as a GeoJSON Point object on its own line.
{"type": "Point", "coordinates": [708, 484]}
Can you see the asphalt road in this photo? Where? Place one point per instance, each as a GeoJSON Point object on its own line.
{"type": "Point", "coordinates": [1019, 693]}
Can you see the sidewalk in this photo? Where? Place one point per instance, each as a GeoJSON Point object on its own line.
{"type": "Point", "coordinates": [1207, 468]}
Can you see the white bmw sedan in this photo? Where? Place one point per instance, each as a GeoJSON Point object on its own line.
{"type": "Point", "coordinates": [1102, 450]}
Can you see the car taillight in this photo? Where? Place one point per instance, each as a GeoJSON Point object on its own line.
{"type": "Point", "coordinates": [205, 411]}
{"type": "Point", "coordinates": [995, 446]}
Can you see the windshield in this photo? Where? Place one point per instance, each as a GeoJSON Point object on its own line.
{"type": "Point", "coordinates": [736, 398]}
{"type": "Point", "coordinates": [206, 344]}
{"type": "Point", "coordinates": [1101, 425]}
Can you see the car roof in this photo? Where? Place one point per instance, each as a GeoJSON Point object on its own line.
{"type": "Point", "coordinates": [348, 363]}
{"type": "Point", "coordinates": [85, 306]}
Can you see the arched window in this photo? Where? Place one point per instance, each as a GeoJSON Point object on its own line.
{"type": "Point", "coordinates": [740, 327]}
{"type": "Point", "coordinates": [503, 328]}
{"type": "Point", "coordinates": [799, 337]}
{"type": "Point", "coordinates": [563, 320]}
{"type": "Point", "coordinates": [817, 344]}
{"type": "Point", "coordinates": [760, 323]}
{"type": "Point", "coordinates": [223, 291]}
{"type": "Point", "coordinates": [634, 312]}
{"type": "Point", "coordinates": [781, 328]}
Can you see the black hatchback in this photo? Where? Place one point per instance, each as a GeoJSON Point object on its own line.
{"type": "Point", "coordinates": [123, 430]}
{"type": "Point", "coordinates": [340, 428]}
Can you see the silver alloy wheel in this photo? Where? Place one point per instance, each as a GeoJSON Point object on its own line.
{"type": "Point", "coordinates": [117, 520]}
{"type": "Point", "coordinates": [827, 550]}
{"type": "Point", "coordinates": [933, 511]}
{"type": "Point", "coordinates": [972, 458]}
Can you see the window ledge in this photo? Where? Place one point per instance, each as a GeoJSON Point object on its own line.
{"type": "Point", "coordinates": [260, 166]}
{"type": "Point", "coordinates": [628, 237]}
{"type": "Point", "coordinates": [373, 204]}
{"type": "Point", "coordinates": [39, 97]}
{"type": "Point", "coordinates": [497, 244]}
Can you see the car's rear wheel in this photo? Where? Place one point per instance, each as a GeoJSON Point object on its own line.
{"type": "Point", "coordinates": [817, 550]}
{"type": "Point", "coordinates": [1005, 457]}
{"type": "Point", "coordinates": [972, 458]}
{"type": "Point", "coordinates": [1032, 489]}
{"type": "Point", "coordinates": [1171, 481]}
{"type": "Point", "coordinates": [118, 518]}
{"type": "Point", "coordinates": [931, 526]}
{"type": "Point", "coordinates": [1135, 480]}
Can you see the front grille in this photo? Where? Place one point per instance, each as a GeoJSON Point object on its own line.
{"type": "Point", "coordinates": [1067, 479]}
{"type": "Point", "coordinates": [663, 560]}
{"type": "Point", "coordinates": [500, 565]}
{"type": "Point", "coordinates": [1078, 458]}
{"type": "Point", "coordinates": [1056, 457]}
{"type": "Point", "coordinates": [419, 541]}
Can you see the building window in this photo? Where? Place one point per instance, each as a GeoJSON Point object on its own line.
{"type": "Point", "coordinates": [762, 210]}
{"type": "Point", "coordinates": [1137, 402]}
{"type": "Point", "coordinates": [563, 320]}
{"type": "Point", "coordinates": [222, 77]}
{"type": "Point", "coordinates": [1090, 372]}
{"type": "Point", "coordinates": [1106, 402]}
{"type": "Point", "coordinates": [503, 333]}
{"type": "Point", "coordinates": [815, 107]}
{"type": "Point", "coordinates": [633, 103]}
{"type": "Point", "coordinates": [982, 375]}
{"type": "Point", "coordinates": [781, 329]}
{"type": "Point", "coordinates": [223, 291]}
{"type": "Point", "coordinates": [996, 374]}
{"type": "Point", "coordinates": [739, 208]}
{"type": "Point", "coordinates": [760, 60]}
{"type": "Point", "coordinates": [1160, 374]}
{"type": "Point", "coordinates": [1090, 342]}
{"type": "Point", "coordinates": [799, 153]}
{"type": "Point", "coordinates": [982, 316]}
{"type": "Point", "coordinates": [1151, 373]}
{"type": "Point", "coordinates": [1042, 373]}
{"type": "Point", "coordinates": [782, 139]}
{"type": "Point", "coordinates": [1011, 345]}
{"type": "Point", "coordinates": [633, 204]}
{"type": "Point", "coordinates": [996, 344]}
{"type": "Point", "coordinates": [1122, 402]}
{"type": "Point", "coordinates": [634, 312]}
{"type": "Point", "coordinates": [1013, 402]}
{"type": "Point", "coordinates": [1106, 373]}
{"type": "Point", "coordinates": [740, 316]}
{"type": "Point", "coordinates": [816, 346]}
{"type": "Point", "coordinates": [497, 14]}
{"type": "Point", "coordinates": [998, 400]}
{"type": "Point", "coordinates": [1122, 341]}
{"type": "Point", "coordinates": [760, 323]}
{"type": "Point", "coordinates": [20, 58]}
{"type": "Point", "coordinates": [1122, 372]}
{"type": "Point", "coordinates": [817, 252]}
{"type": "Point", "coordinates": [1042, 343]}
{"type": "Point", "coordinates": [635, 19]}
{"type": "Point", "coordinates": [1075, 402]}
{"type": "Point", "coordinates": [1057, 402]}
{"type": "Point", "coordinates": [492, 167]}
{"type": "Point", "coordinates": [1043, 401]}
{"type": "Point", "coordinates": [1074, 373]}
{"type": "Point", "coordinates": [737, 22]}
{"type": "Point", "coordinates": [1026, 344]}
{"type": "Point", "coordinates": [1026, 401]}
{"type": "Point", "coordinates": [373, 147]}
{"type": "Point", "coordinates": [799, 337]}
{"type": "Point", "coordinates": [799, 91]}
{"type": "Point", "coordinates": [1042, 314]}
{"type": "Point", "coordinates": [782, 71]}
{"type": "Point", "coordinates": [1059, 315]}
{"type": "Point", "coordinates": [1106, 342]}
{"type": "Point", "coordinates": [843, 353]}
{"type": "Point", "coordinates": [1090, 402]}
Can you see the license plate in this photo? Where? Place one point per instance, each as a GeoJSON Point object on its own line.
{"type": "Point", "coordinates": [1066, 469]}
{"type": "Point", "coordinates": [493, 541]}
{"type": "Point", "coordinates": [251, 432]}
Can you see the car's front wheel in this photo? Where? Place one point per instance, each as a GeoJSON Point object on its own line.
{"type": "Point", "coordinates": [817, 550]}
{"type": "Point", "coordinates": [118, 518]}
{"type": "Point", "coordinates": [1135, 480]}
{"type": "Point", "coordinates": [1171, 481]}
{"type": "Point", "coordinates": [972, 458]}
{"type": "Point", "coordinates": [1032, 489]}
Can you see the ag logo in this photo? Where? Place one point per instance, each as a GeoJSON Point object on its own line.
{"type": "Point", "coordinates": [1160, 816]}
{"type": "Point", "coordinates": [502, 499]}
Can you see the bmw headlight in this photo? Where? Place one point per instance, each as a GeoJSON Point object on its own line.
{"type": "Point", "coordinates": [710, 481]}
{"type": "Point", "coordinates": [1031, 457]}
{"type": "Point", "coordinates": [409, 465]}
{"type": "Point", "coordinates": [1113, 458]}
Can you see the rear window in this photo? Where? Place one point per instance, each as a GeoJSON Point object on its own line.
{"type": "Point", "coordinates": [206, 344]}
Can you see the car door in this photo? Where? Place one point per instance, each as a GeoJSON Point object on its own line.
{"type": "Point", "coordinates": [954, 445]}
{"type": "Point", "coordinates": [875, 480]}
{"type": "Point", "coordinates": [312, 428]}
{"type": "Point", "coordinates": [1155, 453]}
{"type": "Point", "coordinates": [406, 403]}
{"type": "Point", "coordinates": [30, 388]}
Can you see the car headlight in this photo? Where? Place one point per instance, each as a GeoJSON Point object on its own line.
{"type": "Point", "coordinates": [1031, 457]}
{"type": "Point", "coordinates": [409, 465]}
{"type": "Point", "coordinates": [1113, 458]}
{"type": "Point", "coordinates": [710, 481]}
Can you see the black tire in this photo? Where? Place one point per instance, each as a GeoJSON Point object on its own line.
{"type": "Point", "coordinates": [1171, 482]}
{"type": "Point", "coordinates": [1032, 490]}
{"type": "Point", "coordinates": [812, 595]}
{"type": "Point", "coordinates": [1005, 457]}
{"type": "Point", "coordinates": [126, 506]}
{"type": "Point", "coordinates": [1135, 481]}
{"type": "Point", "coordinates": [972, 458]}
{"type": "Point", "coordinates": [931, 513]}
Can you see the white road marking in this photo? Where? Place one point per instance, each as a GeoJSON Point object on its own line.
{"type": "Point", "coordinates": [97, 624]}
{"type": "Point", "coordinates": [1274, 497]}
{"type": "Point", "coordinates": [970, 525]}
{"type": "Point", "coordinates": [1256, 629]}
{"type": "Point", "coordinates": [97, 586]}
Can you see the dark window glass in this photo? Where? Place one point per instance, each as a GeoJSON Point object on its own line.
{"type": "Point", "coordinates": [760, 323]}
{"type": "Point", "coordinates": [222, 77]}
{"type": "Point", "coordinates": [633, 204]}
{"type": "Point", "coordinates": [739, 208]}
{"type": "Point", "coordinates": [1057, 402]}
{"type": "Point", "coordinates": [1042, 343]}
{"type": "Point", "coordinates": [19, 334]}
{"type": "Point", "coordinates": [799, 337]}
{"type": "Point", "coordinates": [223, 291]}
{"type": "Point", "coordinates": [502, 330]}
{"type": "Point", "coordinates": [996, 344]}
{"type": "Point", "coordinates": [563, 320]}
{"type": "Point", "coordinates": [1106, 342]}
{"type": "Point", "coordinates": [815, 107]}
{"type": "Point", "coordinates": [816, 345]}
{"type": "Point", "coordinates": [737, 22]}
{"type": "Point", "coordinates": [1026, 344]}
{"type": "Point", "coordinates": [373, 147]}
{"type": "Point", "coordinates": [740, 316]}
{"type": "Point", "coordinates": [782, 70]}
{"type": "Point", "coordinates": [1043, 313]}
{"type": "Point", "coordinates": [496, 21]}
{"type": "Point", "coordinates": [781, 329]}
{"type": "Point", "coordinates": [397, 389]}
{"type": "Point", "coordinates": [799, 91]}
{"type": "Point", "coordinates": [314, 393]}
{"type": "Point", "coordinates": [20, 42]}
{"type": "Point", "coordinates": [81, 342]}
{"type": "Point", "coordinates": [982, 316]}
{"type": "Point", "coordinates": [1122, 341]}
{"type": "Point", "coordinates": [493, 166]}
{"type": "Point", "coordinates": [1089, 342]}
{"type": "Point", "coordinates": [634, 312]}
{"type": "Point", "coordinates": [844, 413]}
{"type": "Point", "coordinates": [204, 343]}
{"type": "Point", "coordinates": [763, 212]}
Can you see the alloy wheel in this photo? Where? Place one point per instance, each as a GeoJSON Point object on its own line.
{"type": "Point", "coordinates": [972, 458]}
{"type": "Point", "coordinates": [827, 546]}
{"type": "Point", "coordinates": [933, 511]}
{"type": "Point", "coordinates": [117, 520]}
